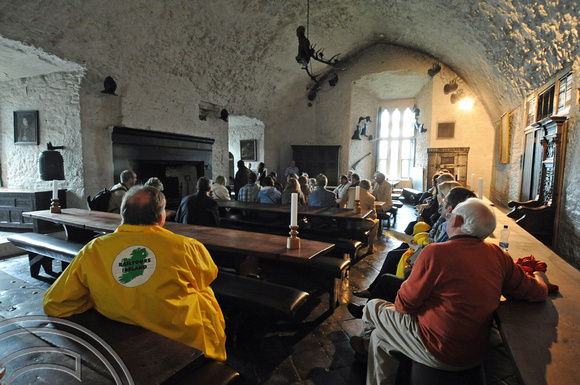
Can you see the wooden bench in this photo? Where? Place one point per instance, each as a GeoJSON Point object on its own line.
{"type": "Point", "coordinates": [338, 270]}
{"type": "Point", "coordinates": [411, 195]}
{"type": "Point", "coordinates": [42, 249]}
{"type": "Point", "coordinates": [251, 295]}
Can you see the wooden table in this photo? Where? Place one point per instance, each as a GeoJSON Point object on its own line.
{"type": "Point", "coordinates": [150, 358]}
{"type": "Point", "coordinates": [307, 211]}
{"type": "Point", "coordinates": [214, 238]}
{"type": "Point", "coordinates": [543, 338]}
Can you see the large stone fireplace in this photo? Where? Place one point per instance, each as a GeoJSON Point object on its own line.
{"type": "Point", "coordinates": [177, 160]}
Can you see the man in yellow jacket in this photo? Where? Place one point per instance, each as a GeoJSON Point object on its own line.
{"type": "Point", "coordinates": [145, 275]}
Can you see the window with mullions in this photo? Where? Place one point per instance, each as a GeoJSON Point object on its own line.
{"type": "Point", "coordinates": [565, 94]}
{"type": "Point", "coordinates": [396, 144]}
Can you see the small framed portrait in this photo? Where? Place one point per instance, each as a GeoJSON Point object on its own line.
{"type": "Point", "coordinates": [26, 127]}
{"type": "Point", "coordinates": [248, 149]}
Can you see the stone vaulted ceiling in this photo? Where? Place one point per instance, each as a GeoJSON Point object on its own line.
{"type": "Point", "coordinates": [239, 52]}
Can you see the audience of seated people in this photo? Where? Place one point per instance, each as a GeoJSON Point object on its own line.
{"type": "Point", "coordinates": [428, 321]}
{"type": "Point", "coordinates": [199, 208]}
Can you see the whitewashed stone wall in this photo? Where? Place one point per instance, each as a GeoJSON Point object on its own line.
{"type": "Point", "coordinates": [56, 97]}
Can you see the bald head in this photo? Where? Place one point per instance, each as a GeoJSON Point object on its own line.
{"type": "Point", "coordinates": [143, 205]}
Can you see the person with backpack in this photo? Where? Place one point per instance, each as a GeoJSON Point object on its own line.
{"type": "Point", "coordinates": [118, 191]}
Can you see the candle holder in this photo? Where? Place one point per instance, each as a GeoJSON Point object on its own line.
{"type": "Point", "coordinates": [55, 206]}
{"type": "Point", "coordinates": [293, 242]}
{"type": "Point", "coordinates": [356, 208]}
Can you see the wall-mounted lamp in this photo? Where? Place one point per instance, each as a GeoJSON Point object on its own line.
{"type": "Point", "coordinates": [434, 70]}
{"type": "Point", "coordinates": [456, 97]}
{"type": "Point", "coordinates": [333, 80]}
{"type": "Point", "coordinates": [110, 86]}
{"type": "Point", "coordinates": [450, 87]}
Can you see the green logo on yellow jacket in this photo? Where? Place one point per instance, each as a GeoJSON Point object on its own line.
{"type": "Point", "coordinates": [134, 266]}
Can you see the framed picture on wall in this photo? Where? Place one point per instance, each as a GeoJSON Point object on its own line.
{"type": "Point", "coordinates": [504, 139]}
{"type": "Point", "coordinates": [248, 149]}
{"type": "Point", "coordinates": [26, 127]}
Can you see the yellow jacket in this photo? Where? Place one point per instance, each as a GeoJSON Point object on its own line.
{"type": "Point", "coordinates": [146, 276]}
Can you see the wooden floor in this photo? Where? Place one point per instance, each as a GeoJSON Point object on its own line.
{"type": "Point", "coordinates": [316, 350]}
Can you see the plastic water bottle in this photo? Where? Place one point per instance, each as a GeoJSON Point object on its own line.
{"type": "Point", "coordinates": [504, 238]}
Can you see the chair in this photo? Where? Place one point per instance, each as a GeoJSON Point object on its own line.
{"type": "Point", "coordinates": [536, 218]}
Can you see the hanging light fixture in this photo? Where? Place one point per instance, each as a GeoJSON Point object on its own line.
{"type": "Point", "coordinates": [307, 51]}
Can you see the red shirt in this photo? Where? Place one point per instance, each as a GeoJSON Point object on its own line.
{"type": "Point", "coordinates": [455, 288]}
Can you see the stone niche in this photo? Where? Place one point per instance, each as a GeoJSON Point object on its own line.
{"type": "Point", "coordinates": [177, 160]}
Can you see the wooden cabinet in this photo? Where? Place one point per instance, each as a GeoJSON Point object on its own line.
{"type": "Point", "coordinates": [453, 159]}
{"type": "Point", "coordinates": [13, 202]}
{"type": "Point", "coordinates": [316, 160]}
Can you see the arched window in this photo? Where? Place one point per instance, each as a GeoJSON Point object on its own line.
{"type": "Point", "coordinates": [396, 143]}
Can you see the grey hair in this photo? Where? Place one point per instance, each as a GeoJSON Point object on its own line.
{"type": "Point", "coordinates": [478, 218]}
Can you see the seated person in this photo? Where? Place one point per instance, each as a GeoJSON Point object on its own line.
{"type": "Point", "coordinates": [249, 192]}
{"type": "Point", "coordinates": [383, 191]}
{"type": "Point", "coordinates": [303, 181]}
{"type": "Point", "coordinates": [128, 180]}
{"type": "Point", "coordinates": [429, 322]}
{"type": "Point", "coordinates": [199, 208]}
{"type": "Point", "coordinates": [321, 197]}
{"type": "Point", "coordinates": [347, 200]}
{"type": "Point", "coordinates": [342, 188]}
{"type": "Point", "coordinates": [268, 193]}
{"type": "Point", "coordinates": [367, 202]}
{"type": "Point", "coordinates": [455, 196]}
{"type": "Point", "coordinates": [219, 191]}
{"type": "Point", "coordinates": [145, 275]}
{"type": "Point", "coordinates": [292, 186]}
{"type": "Point", "coordinates": [155, 182]}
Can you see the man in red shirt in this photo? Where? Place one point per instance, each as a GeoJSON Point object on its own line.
{"type": "Point", "coordinates": [443, 313]}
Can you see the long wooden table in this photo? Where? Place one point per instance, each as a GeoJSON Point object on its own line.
{"type": "Point", "coordinates": [145, 353]}
{"type": "Point", "coordinates": [543, 338]}
{"type": "Point", "coordinates": [306, 211]}
{"type": "Point", "coordinates": [220, 239]}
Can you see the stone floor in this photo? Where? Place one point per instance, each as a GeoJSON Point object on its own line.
{"type": "Point", "coordinates": [316, 349]}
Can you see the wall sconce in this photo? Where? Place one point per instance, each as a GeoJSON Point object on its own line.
{"type": "Point", "coordinates": [450, 87]}
{"type": "Point", "coordinates": [110, 86]}
{"type": "Point", "coordinates": [212, 110]}
{"type": "Point", "coordinates": [333, 80]}
{"type": "Point", "coordinates": [434, 70]}
{"type": "Point", "coordinates": [456, 97]}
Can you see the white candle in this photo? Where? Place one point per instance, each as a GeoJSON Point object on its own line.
{"type": "Point", "coordinates": [55, 189]}
{"type": "Point", "coordinates": [294, 210]}
{"type": "Point", "coordinates": [472, 181]}
{"type": "Point", "coordinates": [480, 188]}
{"type": "Point", "coordinates": [357, 193]}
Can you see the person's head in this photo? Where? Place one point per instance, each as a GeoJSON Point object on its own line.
{"type": "Point", "coordinates": [293, 163]}
{"type": "Point", "coordinates": [268, 181]}
{"type": "Point", "coordinates": [444, 189]}
{"type": "Point", "coordinates": [472, 217]}
{"type": "Point", "coordinates": [24, 121]}
{"type": "Point", "coordinates": [321, 180]}
{"type": "Point", "coordinates": [365, 183]}
{"type": "Point", "coordinates": [155, 182]}
{"type": "Point", "coordinates": [273, 175]}
{"type": "Point", "coordinates": [241, 164]}
{"type": "Point", "coordinates": [292, 186]}
{"type": "Point", "coordinates": [302, 180]}
{"type": "Point", "coordinates": [143, 205]}
{"type": "Point", "coordinates": [261, 166]}
{"type": "Point", "coordinates": [455, 196]}
{"type": "Point", "coordinates": [252, 178]}
{"type": "Point", "coordinates": [343, 179]}
{"type": "Point", "coordinates": [221, 180]}
{"type": "Point", "coordinates": [349, 174]}
{"type": "Point", "coordinates": [445, 177]}
{"type": "Point", "coordinates": [355, 178]}
{"type": "Point", "coordinates": [292, 176]}
{"type": "Point", "coordinates": [128, 178]}
{"type": "Point", "coordinates": [312, 182]}
{"type": "Point", "coordinates": [203, 184]}
{"type": "Point", "coordinates": [380, 177]}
